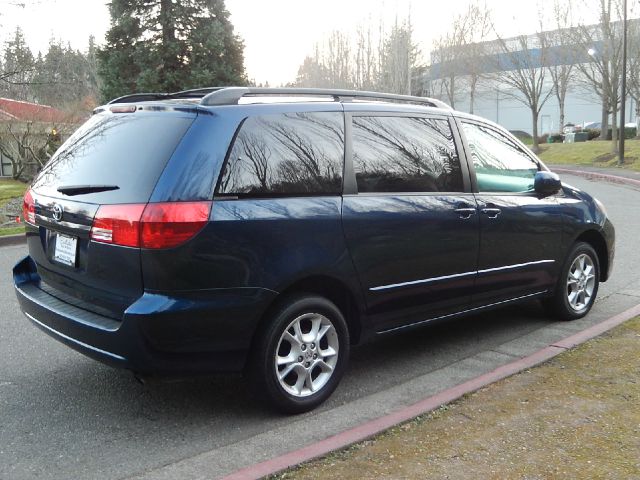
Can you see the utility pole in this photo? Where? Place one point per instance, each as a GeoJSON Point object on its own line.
{"type": "Point", "coordinates": [624, 85]}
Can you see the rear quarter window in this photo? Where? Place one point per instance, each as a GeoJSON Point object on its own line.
{"type": "Point", "coordinates": [125, 150]}
{"type": "Point", "coordinates": [286, 155]}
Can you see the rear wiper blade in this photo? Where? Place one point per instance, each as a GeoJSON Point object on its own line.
{"type": "Point", "coordinates": [82, 189]}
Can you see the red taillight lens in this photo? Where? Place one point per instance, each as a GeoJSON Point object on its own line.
{"type": "Point", "coordinates": [118, 224]}
{"type": "Point", "coordinates": [167, 225]}
{"type": "Point", "coordinates": [29, 208]}
{"type": "Point", "coordinates": [154, 225]}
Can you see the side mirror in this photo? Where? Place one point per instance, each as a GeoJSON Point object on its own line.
{"type": "Point", "coordinates": [547, 183]}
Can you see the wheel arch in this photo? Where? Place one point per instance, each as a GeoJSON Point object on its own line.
{"type": "Point", "coordinates": [598, 243]}
{"type": "Point", "coordinates": [326, 286]}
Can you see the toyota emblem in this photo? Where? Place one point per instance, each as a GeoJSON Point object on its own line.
{"type": "Point", "coordinates": [57, 212]}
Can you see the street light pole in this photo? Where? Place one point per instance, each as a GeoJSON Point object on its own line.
{"type": "Point", "coordinates": [624, 85]}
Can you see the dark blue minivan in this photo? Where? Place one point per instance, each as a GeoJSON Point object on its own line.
{"type": "Point", "coordinates": [267, 230]}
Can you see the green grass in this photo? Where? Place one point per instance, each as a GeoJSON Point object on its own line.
{"type": "Point", "coordinates": [10, 189]}
{"type": "Point", "coordinates": [593, 153]}
{"type": "Point", "coordinates": [11, 231]}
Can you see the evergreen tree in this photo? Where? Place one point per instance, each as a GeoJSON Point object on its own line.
{"type": "Point", "coordinates": [18, 68]}
{"type": "Point", "coordinates": [63, 77]}
{"type": "Point", "coordinates": [169, 45]}
{"type": "Point", "coordinates": [92, 79]}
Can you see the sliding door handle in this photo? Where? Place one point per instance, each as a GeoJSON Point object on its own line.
{"type": "Point", "coordinates": [465, 213]}
{"type": "Point", "coordinates": [491, 212]}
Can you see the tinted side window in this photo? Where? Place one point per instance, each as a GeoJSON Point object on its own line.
{"type": "Point", "coordinates": [286, 154]}
{"type": "Point", "coordinates": [405, 154]}
{"type": "Point", "coordinates": [500, 165]}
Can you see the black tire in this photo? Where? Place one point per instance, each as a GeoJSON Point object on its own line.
{"type": "Point", "coordinates": [264, 376]}
{"type": "Point", "coordinates": [559, 304]}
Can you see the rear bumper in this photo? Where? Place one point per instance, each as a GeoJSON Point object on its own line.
{"type": "Point", "coordinates": [192, 332]}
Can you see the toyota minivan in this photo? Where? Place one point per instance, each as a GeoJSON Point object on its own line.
{"type": "Point", "coordinates": [268, 230]}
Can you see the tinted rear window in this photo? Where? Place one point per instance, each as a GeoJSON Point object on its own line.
{"type": "Point", "coordinates": [126, 150]}
{"type": "Point", "coordinates": [286, 154]}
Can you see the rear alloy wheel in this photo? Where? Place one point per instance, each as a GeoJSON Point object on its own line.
{"type": "Point", "coordinates": [307, 354]}
{"type": "Point", "coordinates": [578, 284]}
{"type": "Point", "coordinates": [300, 358]}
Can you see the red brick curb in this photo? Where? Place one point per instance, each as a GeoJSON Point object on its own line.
{"type": "Point", "coordinates": [591, 175]}
{"type": "Point", "coordinates": [375, 426]}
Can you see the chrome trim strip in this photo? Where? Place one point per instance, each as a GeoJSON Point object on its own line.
{"type": "Point", "coordinates": [517, 265]}
{"type": "Point", "coordinates": [73, 340]}
{"type": "Point", "coordinates": [463, 311]}
{"type": "Point", "coordinates": [457, 275]}
{"type": "Point", "coordinates": [426, 280]}
{"type": "Point", "coordinates": [48, 222]}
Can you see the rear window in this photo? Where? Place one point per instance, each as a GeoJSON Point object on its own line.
{"type": "Point", "coordinates": [125, 150]}
{"type": "Point", "coordinates": [286, 154]}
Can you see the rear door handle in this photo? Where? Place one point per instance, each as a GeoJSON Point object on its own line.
{"type": "Point", "coordinates": [491, 212]}
{"type": "Point", "coordinates": [465, 212]}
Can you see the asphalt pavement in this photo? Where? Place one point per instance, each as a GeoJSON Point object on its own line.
{"type": "Point", "coordinates": [65, 416]}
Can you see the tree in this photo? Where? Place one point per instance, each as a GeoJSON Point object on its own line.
{"type": "Point", "coordinates": [63, 78]}
{"type": "Point", "coordinates": [313, 72]}
{"type": "Point", "coordinates": [602, 69]}
{"type": "Point", "coordinates": [562, 55]}
{"type": "Point", "coordinates": [344, 62]}
{"type": "Point", "coordinates": [473, 60]}
{"type": "Point", "coordinates": [522, 67]}
{"type": "Point", "coordinates": [29, 144]}
{"type": "Point", "coordinates": [17, 73]}
{"type": "Point", "coordinates": [458, 53]}
{"type": "Point", "coordinates": [118, 63]}
{"type": "Point", "coordinates": [398, 58]}
{"type": "Point", "coordinates": [168, 45]}
{"type": "Point", "coordinates": [338, 60]}
{"type": "Point", "coordinates": [366, 60]}
{"type": "Point", "coordinates": [633, 72]}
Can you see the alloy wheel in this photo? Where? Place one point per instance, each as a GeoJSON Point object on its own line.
{"type": "Point", "coordinates": [581, 282]}
{"type": "Point", "coordinates": [306, 355]}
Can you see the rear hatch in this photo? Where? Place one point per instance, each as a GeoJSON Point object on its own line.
{"type": "Point", "coordinates": [109, 166]}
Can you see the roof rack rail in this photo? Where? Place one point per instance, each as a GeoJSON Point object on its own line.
{"type": "Point", "coordinates": [145, 97]}
{"type": "Point", "coordinates": [232, 95]}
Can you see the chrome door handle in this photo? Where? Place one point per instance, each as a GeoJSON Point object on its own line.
{"type": "Point", "coordinates": [491, 212]}
{"type": "Point", "coordinates": [466, 212]}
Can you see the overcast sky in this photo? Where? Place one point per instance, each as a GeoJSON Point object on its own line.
{"type": "Point", "coordinates": [277, 33]}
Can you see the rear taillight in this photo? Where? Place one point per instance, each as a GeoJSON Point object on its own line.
{"type": "Point", "coordinates": [118, 224]}
{"type": "Point", "coordinates": [154, 225]}
{"type": "Point", "coordinates": [29, 208]}
{"type": "Point", "coordinates": [166, 225]}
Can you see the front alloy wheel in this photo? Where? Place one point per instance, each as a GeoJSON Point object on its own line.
{"type": "Point", "coordinates": [577, 286]}
{"type": "Point", "coordinates": [581, 282]}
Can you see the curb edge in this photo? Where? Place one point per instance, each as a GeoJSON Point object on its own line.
{"type": "Point", "coordinates": [597, 176]}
